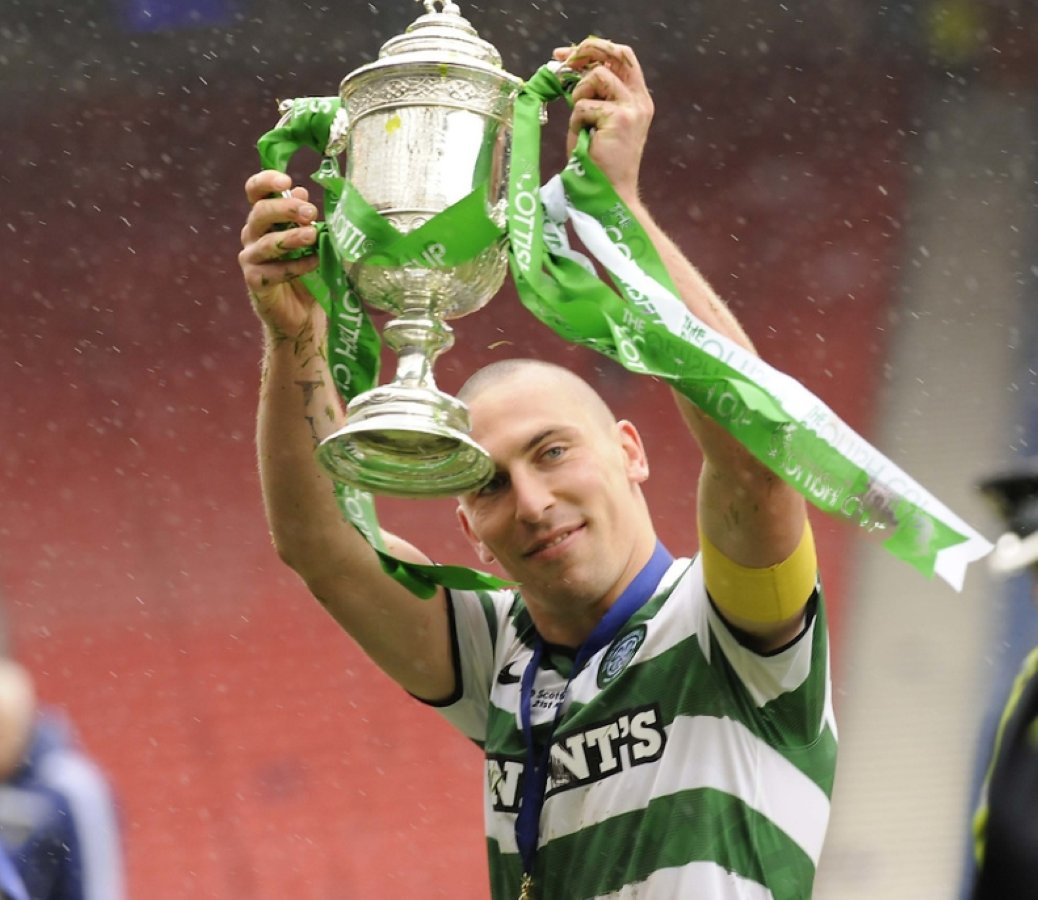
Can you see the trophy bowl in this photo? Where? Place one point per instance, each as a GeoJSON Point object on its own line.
{"type": "Point", "coordinates": [424, 126]}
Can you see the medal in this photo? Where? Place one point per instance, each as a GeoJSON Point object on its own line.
{"type": "Point", "coordinates": [526, 887]}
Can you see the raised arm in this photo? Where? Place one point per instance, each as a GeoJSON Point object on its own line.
{"type": "Point", "coordinates": [408, 638]}
{"type": "Point", "coordinates": [750, 517]}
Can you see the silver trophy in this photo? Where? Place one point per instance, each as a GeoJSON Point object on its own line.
{"type": "Point", "coordinates": [421, 127]}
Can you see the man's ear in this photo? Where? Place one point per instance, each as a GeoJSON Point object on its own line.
{"type": "Point", "coordinates": [485, 556]}
{"type": "Point", "coordinates": [634, 451]}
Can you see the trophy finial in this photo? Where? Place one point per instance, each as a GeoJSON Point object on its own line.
{"type": "Point", "coordinates": [446, 6]}
{"type": "Point", "coordinates": [442, 31]}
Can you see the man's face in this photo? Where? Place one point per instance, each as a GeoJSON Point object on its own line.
{"type": "Point", "coordinates": [562, 513]}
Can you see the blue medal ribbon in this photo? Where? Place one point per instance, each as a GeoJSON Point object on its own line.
{"type": "Point", "coordinates": [535, 775]}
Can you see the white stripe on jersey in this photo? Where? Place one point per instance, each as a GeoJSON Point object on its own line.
{"type": "Point", "coordinates": [698, 879]}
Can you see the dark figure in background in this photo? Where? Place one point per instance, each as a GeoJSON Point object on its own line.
{"type": "Point", "coordinates": [12, 887]}
{"type": "Point", "coordinates": [1005, 827]}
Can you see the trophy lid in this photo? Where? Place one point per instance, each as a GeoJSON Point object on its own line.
{"type": "Point", "coordinates": [446, 34]}
{"type": "Point", "coordinates": [438, 60]}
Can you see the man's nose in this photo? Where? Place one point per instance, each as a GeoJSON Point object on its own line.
{"type": "Point", "coordinates": [533, 496]}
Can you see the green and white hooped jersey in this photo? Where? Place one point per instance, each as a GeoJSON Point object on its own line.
{"type": "Point", "coordinates": [684, 764]}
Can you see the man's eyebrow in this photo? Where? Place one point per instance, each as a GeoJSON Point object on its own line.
{"type": "Point", "coordinates": [543, 435]}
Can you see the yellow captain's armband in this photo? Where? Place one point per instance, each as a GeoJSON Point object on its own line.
{"type": "Point", "coordinates": [762, 596]}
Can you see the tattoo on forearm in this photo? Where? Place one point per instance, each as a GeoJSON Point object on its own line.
{"type": "Point", "coordinates": [276, 335]}
{"type": "Point", "coordinates": [304, 340]}
{"type": "Point", "coordinates": [311, 359]}
{"type": "Point", "coordinates": [309, 392]}
{"type": "Point", "coordinates": [309, 387]}
{"type": "Point", "coordinates": [732, 517]}
{"type": "Point", "coordinates": [313, 430]}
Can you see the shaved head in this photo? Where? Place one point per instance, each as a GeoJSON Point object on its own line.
{"type": "Point", "coordinates": [519, 370]}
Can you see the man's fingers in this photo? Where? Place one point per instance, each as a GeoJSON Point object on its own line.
{"type": "Point", "coordinates": [593, 52]}
{"type": "Point", "coordinates": [260, 278]}
{"type": "Point", "coordinates": [602, 98]}
{"type": "Point", "coordinates": [274, 245]}
{"type": "Point", "coordinates": [600, 83]}
{"type": "Point", "coordinates": [272, 211]}
{"type": "Point", "coordinates": [265, 183]}
{"type": "Point", "coordinates": [589, 114]}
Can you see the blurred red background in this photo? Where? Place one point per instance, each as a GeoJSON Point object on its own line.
{"type": "Point", "coordinates": [255, 752]}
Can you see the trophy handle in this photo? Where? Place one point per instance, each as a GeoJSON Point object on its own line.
{"type": "Point", "coordinates": [338, 133]}
{"type": "Point", "coordinates": [338, 136]}
{"type": "Point", "coordinates": [569, 77]}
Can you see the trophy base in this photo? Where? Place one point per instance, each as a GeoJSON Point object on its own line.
{"type": "Point", "coordinates": [402, 442]}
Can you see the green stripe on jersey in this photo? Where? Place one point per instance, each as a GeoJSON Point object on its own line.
{"type": "Point", "coordinates": [486, 601]}
{"type": "Point", "coordinates": [670, 832]}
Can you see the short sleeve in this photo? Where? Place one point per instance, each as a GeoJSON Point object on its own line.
{"type": "Point", "coordinates": [476, 619]}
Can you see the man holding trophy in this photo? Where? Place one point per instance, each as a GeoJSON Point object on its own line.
{"type": "Point", "coordinates": [653, 727]}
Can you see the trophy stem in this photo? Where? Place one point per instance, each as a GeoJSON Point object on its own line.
{"type": "Point", "coordinates": [408, 438]}
{"type": "Point", "coordinates": [417, 340]}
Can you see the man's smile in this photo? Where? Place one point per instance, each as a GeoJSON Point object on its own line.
{"type": "Point", "coordinates": [558, 537]}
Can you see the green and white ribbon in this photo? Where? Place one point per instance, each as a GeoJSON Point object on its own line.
{"type": "Point", "coordinates": [645, 327]}
{"type": "Point", "coordinates": [639, 322]}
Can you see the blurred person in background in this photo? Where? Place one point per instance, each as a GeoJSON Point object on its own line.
{"type": "Point", "coordinates": [12, 887]}
{"type": "Point", "coordinates": [58, 822]}
{"type": "Point", "coordinates": [1005, 826]}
